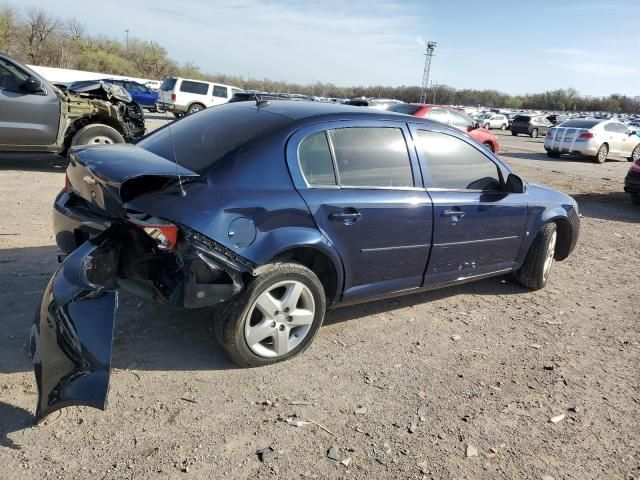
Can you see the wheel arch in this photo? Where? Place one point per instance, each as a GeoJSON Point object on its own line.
{"type": "Point", "coordinates": [195, 103]}
{"type": "Point", "coordinates": [82, 122]}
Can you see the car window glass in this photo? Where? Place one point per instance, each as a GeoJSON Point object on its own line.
{"type": "Point", "coordinates": [438, 115]}
{"type": "Point", "coordinates": [460, 120]}
{"type": "Point", "coordinates": [371, 157]}
{"type": "Point", "coordinates": [189, 86]}
{"type": "Point", "coordinates": [621, 128]}
{"type": "Point", "coordinates": [455, 164]}
{"type": "Point", "coordinates": [168, 84]}
{"type": "Point", "coordinates": [219, 91]}
{"type": "Point", "coordinates": [11, 77]}
{"type": "Point", "coordinates": [609, 127]}
{"type": "Point", "coordinates": [315, 160]}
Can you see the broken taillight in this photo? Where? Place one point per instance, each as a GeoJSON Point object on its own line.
{"type": "Point", "coordinates": [163, 232]}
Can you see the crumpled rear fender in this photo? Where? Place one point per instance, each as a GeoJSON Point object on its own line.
{"type": "Point", "coordinates": [73, 330]}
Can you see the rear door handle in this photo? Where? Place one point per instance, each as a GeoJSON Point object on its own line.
{"type": "Point", "coordinates": [453, 213]}
{"type": "Point", "coordinates": [346, 216]}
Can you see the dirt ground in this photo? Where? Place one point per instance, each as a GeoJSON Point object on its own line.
{"type": "Point", "coordinates": [405, 389]}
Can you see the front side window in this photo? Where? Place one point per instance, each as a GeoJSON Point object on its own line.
{"type": "Point", "coordinates": [189, 86]}
{"type": "Point", "coordinates": [460, 120]}
{"type": "Point", "coordinates": [371, 157]}
{"type": "Point", "coordinates": [456, 165]}
{"type": "Point", "coordinates": [219, 91]}
{"type": "Point", "coordinates": [11, 77]}
{"type": "Point", "coordinates": [438, 115]}
{"type": "Point", "coordinates": [315, 160]}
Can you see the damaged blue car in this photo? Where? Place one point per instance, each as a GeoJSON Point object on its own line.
{"type": "Point", "coordinates": [276, 212]}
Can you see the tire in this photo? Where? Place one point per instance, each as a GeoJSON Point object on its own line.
{"type": "Point", "coordinates": [601, 155]}
{"type": "Point", "coordinates": [195, 108]}
{"type": "Point", "coordinates": [553, 154]}
{"type": "Point", "coordinates": [534, 133]}
{"type": "Point", "coordinates": [635, 198]}
{"type": "Point", "coordinates": [635, 154]}
{"type": "Point", "coordinates": [96, 134]}
{"type": "Point", "coordinates": [488, 146]}
{"type": "Point", "coordinates": [178, 114]}
{"type": "Point", "coordinates": [534, 272]}
{"type": "Point", "coordinates": [233, 331]}
{"type": "Point", "coordinates": [503, 126]}
{"type": "Point", "coordinates": [487, 126]}
{"type": "Point", "coordinates": [514, 133]}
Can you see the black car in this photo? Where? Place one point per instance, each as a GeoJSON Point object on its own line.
{"type": "Point", "coordinates": [632, 182]}
{"type": "Point", "coordinates": [532, 125]}
{"type": "Point", "coordinates": [555, 118]}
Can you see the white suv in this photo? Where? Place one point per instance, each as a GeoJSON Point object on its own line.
{"type": "Point", "coordinates": [184, 96]}
{"type": "Point", "coordinates": [492, 120]}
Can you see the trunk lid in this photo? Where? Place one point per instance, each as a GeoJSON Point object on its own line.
{"type": "Point", "coordinates": [107, 177]}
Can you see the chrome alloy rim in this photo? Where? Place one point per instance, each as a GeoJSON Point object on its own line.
{"type": "Point", "coordinates": [636, 154]}
{"type": "Point", "coordinates": [100, 140]}
{"type": "Point", "coordinates": [279, 319]}
{"type": "Point", "coordinates": [602, 154]}
{"type": "Point", "coordinates": [548, 261]}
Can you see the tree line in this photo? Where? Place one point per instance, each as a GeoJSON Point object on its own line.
{"type": "Point", "coordinates": [36, 37]}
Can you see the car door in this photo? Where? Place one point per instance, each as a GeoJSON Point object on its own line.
{"type": "Point", "coordinates": [478, 227]}
{"type": "Point", "coordinates": [362, 185]}
{"type": "Point", "coordinates": [627, 141]}
{"type": "Point", "coordinates": [27, 119]}
{"type": "Point", "coordinates": [220, 94]}
{"type": "Point", "coordinates": [613, 138]}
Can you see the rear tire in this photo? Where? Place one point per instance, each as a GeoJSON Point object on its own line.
{"type": "Point", "coordinates": [503, 126]}
{"type": "Point", "coordinates": [534, 133]}
{"type": "Point", "coordinates": [514, 133]}
{"type": "Point", "coordinates": [195, 108]}
{"type": "Point", "coordinates": [553, 154]}
{"type": "Point", "coordinates": [96, 134]}
{"type": "Point", "coordinates": [534, 272]}
{"type": "Point", "coordinates": [487, 126]}
{"type": "Point", "coordinates": [243, 316]}
{"type": "Point", "coordinates": [488, 146]}
{"type": "Point", "coordinates": [601, 155]}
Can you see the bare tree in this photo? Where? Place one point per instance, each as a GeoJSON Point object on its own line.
{"type": "Point", "coordinates": [39, 27]}
{"type": "Point", "coordinates": [74, 29]}
{"type": "Point", "coordinates": [8, 28]}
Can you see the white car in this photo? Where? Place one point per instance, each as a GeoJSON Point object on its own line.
{"type": "Point", "coordinates": [493, 120]}
{"type": "Point", "coordinates": [597, 139]}
{"type": "Point", "coordinates": [185, 96]}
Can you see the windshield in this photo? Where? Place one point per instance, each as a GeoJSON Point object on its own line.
{"type": "Point", "coordinates": [580, 123]}
{"type": "Point", "coordinates": [168, 84]}
{"type": "Point", "coordinates": [204, 139]}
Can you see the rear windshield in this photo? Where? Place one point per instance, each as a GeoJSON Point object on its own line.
{"type": "Point", "coordinates": [522, 118]}
{"type": "Point", "coordinates": [404, 108]}
{"type": "Point", "coordinates": [580, 123]}
{"type": "Point", "coordinates": [207, 138]}
{"type": "Point", "coordinates": [168, 84]}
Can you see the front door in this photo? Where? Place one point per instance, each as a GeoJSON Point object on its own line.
{"type": "Point", "coordinates": [363, 187]}
{"type": "Point", "coordinates": [478, 227]}
{"type": "Point", "coordinates": [27, 119]}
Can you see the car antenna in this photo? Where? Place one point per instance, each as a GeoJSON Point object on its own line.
{"type": "Point", "coordinates": [259, 101]}
{"type": "Point", "coordinates": [175, 160]}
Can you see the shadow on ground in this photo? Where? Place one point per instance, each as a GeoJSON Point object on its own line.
{"type": "Point", "coordinates": [40, 162]}
{"type": "Point", "coordinates": [13, 419]}
{"type": "Point", "coordinates": [614, 206]}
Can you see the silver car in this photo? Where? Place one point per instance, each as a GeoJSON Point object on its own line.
{"type": "Point", "coordinates": [597, 139]}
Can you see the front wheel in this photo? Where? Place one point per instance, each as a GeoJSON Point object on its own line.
{"type": "Point", "coordinates": [536, 267]}
{"type": "Point", "coordinates": [503, 126]}
{"type": "Point", "coordinates": [534, 133]}
{"type": "Point", "coordinates": [514, 133]}
{"type": "Point", "coordinates": [274, 318]}
{"type": "Point", "coordinates": [487, 126]}
{"type": "Point", "coordinates": [96, 134]}
{"type": "Point", "coordinates": [635, 155]}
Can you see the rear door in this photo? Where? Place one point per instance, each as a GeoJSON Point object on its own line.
{"type": "Point", "coordinates": [220, 94]}
{"type": "Point", "coordinates": [27, 119]}
{"type": "Point", "coordinates": [363, 187]}
{"type": "Point", "coordinates": [614, 138]}
{"type": "Point", "coordinates": [478, 227]}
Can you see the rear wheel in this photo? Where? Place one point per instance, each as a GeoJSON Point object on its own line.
{"type": "Point", "coordinates": [178, 114]}
{"type": "Point", "coordinates": [536, 267]}
{"type": "Point", "coordinates": [274, 318]}
{"type": "Point", "coordinates": [503, 126]}
{"type": "Point", "coordinates": [514, 133]}
{"type": "Point", "coordinates": [635, 154]}
{"type": "Point", "coordinates": [196, 107]}
{"type": "Point", "coordinates": [96, 134]}
{"type": "Point", "coordinates": [552, 154]}
{"type": "Point", "coordinates": [489, 146]}
{"type": "Point", "coordinates": [602, 154]}
{"type": "Point", "coordinates": [534, 133]}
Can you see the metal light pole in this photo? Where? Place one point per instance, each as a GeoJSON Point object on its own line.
{"type": "Point", "coordinates": [431, 46]}
{"type": "Point", "coordinates": [127, 32]}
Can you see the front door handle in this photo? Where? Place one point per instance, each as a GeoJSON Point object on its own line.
{"type": "Point", "coordinates": [453, 213]}
{"type": "Point", "coordinates": [347, 216]}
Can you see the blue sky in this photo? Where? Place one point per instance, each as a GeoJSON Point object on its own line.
{"type": "Point", "coordinates": [512, 46]}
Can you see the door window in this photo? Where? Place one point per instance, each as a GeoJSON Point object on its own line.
{"type": "Point", "coordinates": [438, 115]}
{"type": "Point", "coordinates": [460, 120]}
{"type": "Point", "coordinates": [456, 165]}
{"type": "Point", "coordinates": [371, 157]}
{"type": "Point", "coordinates": [189, 86]}
{"type": "Point", "coordinates": [11, 77]}
{"type": "Point", "coordinates": [219, 91]}
{"type": "Point", "coordinates": [315, 160]}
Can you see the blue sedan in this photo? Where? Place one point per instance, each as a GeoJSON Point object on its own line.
{"type": "Point", "coordinates": [279, 211]}
{"type": "Point", "coordinates": [141, 94]}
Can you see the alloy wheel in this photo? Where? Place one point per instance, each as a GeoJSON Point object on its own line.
{"type": "Point", "coordinates": [602, 153]}
{"type": "Point", "coordinates": [548, 261]}
{"type": "Point", "coordinates": [279, 319]}
{"type": "Point", "coordinates": [635, 155]}
{"type": "Point", "coordinates": [100, 140]}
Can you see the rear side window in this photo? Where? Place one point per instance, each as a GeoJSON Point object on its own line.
{"type": "Point", "coordinates": [460, 120]}
{"type": "Point", "coordinates": [580, 123]}
{"type": "Point", "coordinates": [522, 118]}
{"type": "Point", "coordinates": [168, 84]}
{"type": "Point", "coordinates": [220, 91]}
{"type": "Point", "coordinates": [438, 115]}
{"type": "Point", "coordinates": [315, 160]}
{"type": "Point", "coordinates": [189, 86]}
{"type": "Point", "coordinates": [456, 165]}
{"type": "Point", "coordinates": [371, 157]}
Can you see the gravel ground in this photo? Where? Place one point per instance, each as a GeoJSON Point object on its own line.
{"type": "Point", "coordinates": [455, 383]}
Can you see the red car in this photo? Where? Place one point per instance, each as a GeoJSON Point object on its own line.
{"type": "Point", "coordinates": [450, 116]}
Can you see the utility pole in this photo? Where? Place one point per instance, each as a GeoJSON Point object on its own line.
{"type": "Point", "coordinates": [434, 87]}
{"type": "Point", "coordinates": [126, 30]}
{"type": "Point", "coordinates": [431, 46]}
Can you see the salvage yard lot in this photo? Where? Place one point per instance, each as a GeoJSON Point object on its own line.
{"type": "Point", "coordinates": [401, 387]}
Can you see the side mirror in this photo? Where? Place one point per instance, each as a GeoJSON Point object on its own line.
{"type": "Point", "coordinates": [514, 184]}
{"type": "Point", "coordinates": [31, 85]}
